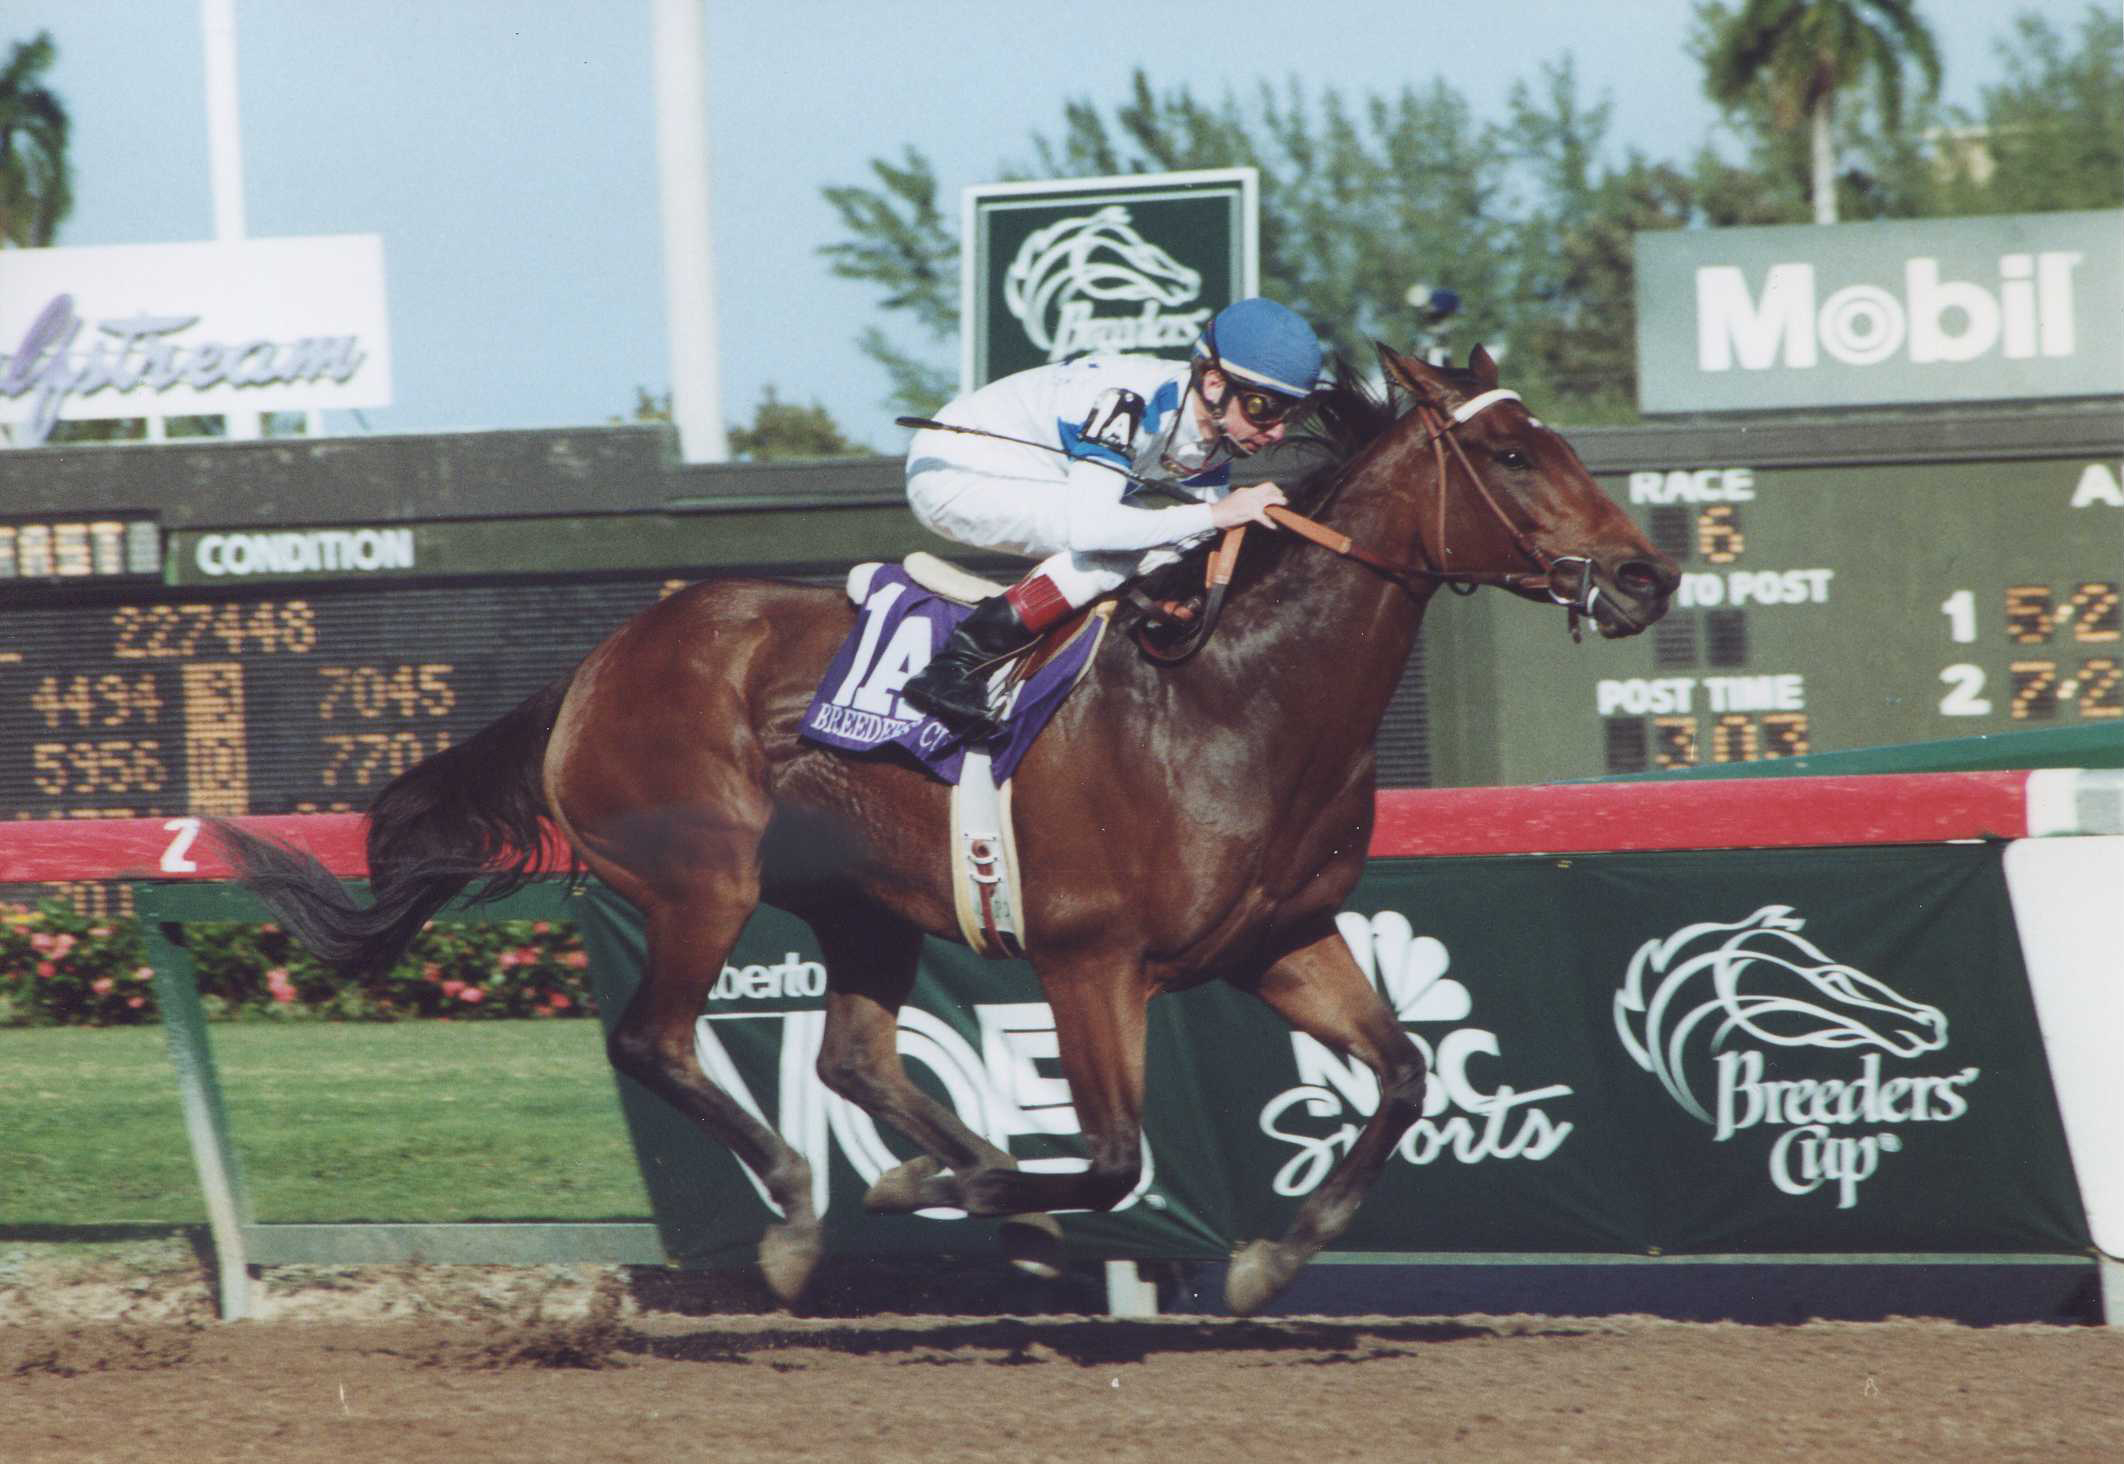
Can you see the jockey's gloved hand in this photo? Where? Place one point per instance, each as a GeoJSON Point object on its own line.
{"type": "Point", "coordinates": [1247, 505]}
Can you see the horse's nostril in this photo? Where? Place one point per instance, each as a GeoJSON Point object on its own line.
{"type": "Point", "coordinates": [1645, 579]}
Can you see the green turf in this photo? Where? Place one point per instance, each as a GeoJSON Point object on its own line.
{"type": "Point", "coordinates": [414, 1121]}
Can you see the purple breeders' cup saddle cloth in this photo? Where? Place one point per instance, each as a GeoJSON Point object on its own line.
{"type": "Point", "coordinates": [901, 625]}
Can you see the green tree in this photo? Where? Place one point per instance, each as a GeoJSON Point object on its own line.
{"type": "Point", "coordinates": [785, 432]}
{"type": "Point", "coordinates": [1530, 222]}
{"type": "Point", "coordinates": [780, 431]}
{"type": "Point", "coordinates": [899, 241]}
{"type": "Point", "coordinates": [2051, 135]}
{"type": "Point", "coordinates": [1361, 197]}
{"type": "Point", "coordinates": [1574, 343]}
{"type": "Point", "coordinates": [135, 429]}
{"type": "Point", "coordinates": [36, 181]}
{"type": "Point", "coordinates": [1797, 56]}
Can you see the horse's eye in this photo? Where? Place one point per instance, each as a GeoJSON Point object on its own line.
{"type": "Point", "coordinates": [1511, 457]}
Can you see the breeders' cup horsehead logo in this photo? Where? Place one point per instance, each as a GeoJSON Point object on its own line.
{"type": "Point", "coordinates": [1062, 273]}
{"type": "Point", "coordinates": [1715, 995]}
{"type": "Point", "coordinates": [1765, 980]}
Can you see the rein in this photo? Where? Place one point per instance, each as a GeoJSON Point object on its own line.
{"type": "Point", "coordinates": [1438, 427]}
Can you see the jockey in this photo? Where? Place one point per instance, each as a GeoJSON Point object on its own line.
{"type": "Point", "coordinates": [1177, 424]}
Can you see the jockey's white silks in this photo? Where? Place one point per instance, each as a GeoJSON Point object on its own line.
{"type": "Point", "coordinates": [1070, 508]}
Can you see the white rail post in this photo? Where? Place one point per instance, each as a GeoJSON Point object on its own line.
{"type": "Point", "coordinates": [1128, 1292]}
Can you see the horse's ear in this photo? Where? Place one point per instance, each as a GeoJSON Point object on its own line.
{"type": "Point", "coordinates": [1484, 368]}
{"type": "Point", "coordinates": [1419, 380]}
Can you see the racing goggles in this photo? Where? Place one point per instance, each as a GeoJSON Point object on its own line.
{"type": "Point", "coordinates": [1264, 408]}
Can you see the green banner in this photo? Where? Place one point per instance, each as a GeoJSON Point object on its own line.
{"type": "Point", "coordinates": [1820, 1051]}
{"type": "Point", "coordinates": [1135, 265]}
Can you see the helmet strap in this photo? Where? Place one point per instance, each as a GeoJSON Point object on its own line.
{"type": "Point", "coordinates": [1213, 359]}
{"type": "Point", "coordinates": [1220, 440]}
{"type": "Point", "coordinates": [1198, 387]}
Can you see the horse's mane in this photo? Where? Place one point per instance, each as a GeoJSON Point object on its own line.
{"type": "Point", "coordinates": [1344, 418]}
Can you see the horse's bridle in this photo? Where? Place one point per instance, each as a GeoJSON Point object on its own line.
{"type": "Point", "coordinates": [1438, 427]}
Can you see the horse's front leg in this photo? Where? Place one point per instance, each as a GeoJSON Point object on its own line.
{"type": "Point", "coordinates": [1320, 989]}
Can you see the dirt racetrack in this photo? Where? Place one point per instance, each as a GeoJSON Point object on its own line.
{"type": "Point", "coordinates": [467, 1365]}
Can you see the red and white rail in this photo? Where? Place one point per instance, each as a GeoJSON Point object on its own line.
{"type": "Point", "coordinates": [1557, 818]}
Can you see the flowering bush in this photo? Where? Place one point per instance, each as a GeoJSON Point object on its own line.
{"type": "Point", "coordinates": [60, 968]}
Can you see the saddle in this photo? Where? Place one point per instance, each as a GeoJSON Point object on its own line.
{"type": "Point", "coordinates": [907, 611]}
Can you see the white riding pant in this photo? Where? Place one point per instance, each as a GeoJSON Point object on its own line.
{"type": "Point", "coordinates": [994, 496]}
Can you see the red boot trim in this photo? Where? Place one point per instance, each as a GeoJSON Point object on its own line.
{"type": "Point", "coordinates": [1039, 602]}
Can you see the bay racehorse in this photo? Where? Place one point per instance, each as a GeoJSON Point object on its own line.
{"type": "Point", "coordinates": [1176, 823]}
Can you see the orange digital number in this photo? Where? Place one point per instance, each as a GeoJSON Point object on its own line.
{"type": "Point", "coordinates": [2096, 616]}
{"type": "Point", "coordinates": [1674, 743]}
{"type": "Point", "coordinates": [1718, 534]}
{"type": "Point", "coordinates": [2035, 691]}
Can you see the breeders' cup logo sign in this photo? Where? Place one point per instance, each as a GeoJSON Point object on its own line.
{"type": "Point", "coordinates": [1064, 272]}
{"type": "Point", "coordinates": [1474, 1109]}
{"type": "Point", "coordinates": [1132, 265]}
{"type": "Point", "coordinates": [1708, 1011]}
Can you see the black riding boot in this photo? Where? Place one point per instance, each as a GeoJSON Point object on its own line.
{"type": "Point", "coordinates": [953, 687]}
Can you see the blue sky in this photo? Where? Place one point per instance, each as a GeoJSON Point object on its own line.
{"type": "Point", "coordinates": [504, 149]}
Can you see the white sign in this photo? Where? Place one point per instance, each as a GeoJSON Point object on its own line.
{"type": "Point", "coordinates": [262, 325]}
{"type": "Point", "coordinates": [1061, 273]}
{"type": "Point", "coordinates": [1995, 308]}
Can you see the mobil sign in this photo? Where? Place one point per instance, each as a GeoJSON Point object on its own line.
{"type": "Point", "coordinates": [2012, 307]}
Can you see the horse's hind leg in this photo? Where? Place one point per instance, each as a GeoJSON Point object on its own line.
{"type": "Point", "coordinates": [1100, 1005]}
{"type": "Point", "coordinates": [1320, 989]}
{"type": "Point", "coordinates": [872, 959]}
{"type": "Point", "coordinates": [653, 1043]}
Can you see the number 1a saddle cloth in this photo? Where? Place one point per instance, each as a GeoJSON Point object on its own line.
{"type": "Point", "coordinates": [903, 623]}
{"type": "Point", "coordinates": [858, 709]}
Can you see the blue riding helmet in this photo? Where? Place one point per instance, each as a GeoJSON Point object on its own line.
{"type": "Point", "coordinates": [1261, 343]}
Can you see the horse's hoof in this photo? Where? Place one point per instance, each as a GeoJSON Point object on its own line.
{"type": "Point", "coordinates": [901, 1189]}
{"type": "Point", "coordinates": [788, 1254]}
{"type": "Point", "coordinates": [1033, 1243]}
{"type": "Point", "coordinates": [1260, 1269]}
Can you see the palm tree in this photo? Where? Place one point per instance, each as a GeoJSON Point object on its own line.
{"type": "Point", "coordinates": [36, 184]}
{"type": "Point", "coordinates": [1801, 53]}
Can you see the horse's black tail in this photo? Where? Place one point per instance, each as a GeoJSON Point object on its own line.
{"type": "Point", "coordinates": [473, 811]}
